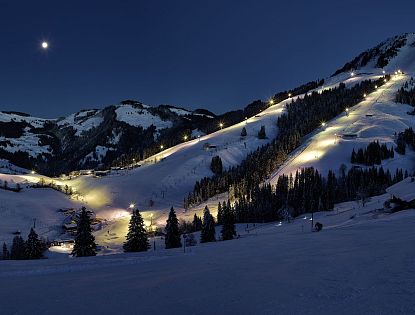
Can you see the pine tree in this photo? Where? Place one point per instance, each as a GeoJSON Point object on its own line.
{"type": "Point", "coordinates": [353, 158]}
{"type": "Point", "coordinates": [172, 239]}
{"type": "Point", "coordinates": [261, 133]}
{"type": "Point", "coordinates": [34, 247]}
{"type": "Point", "coordinates": [219, 217]}
{"type": "Point", "coordinates": [137, 239]}
{"type": "Point", "coordinates": [208, 227]}
{"type": "Point", "coordinates": [243, 132]}
{"type": "Point", "coordinates": [84, 240]}
{"type": "Point", "coordinates": [6, 254]}
{"type": "Point", "coordinates": [197, 223]}
{"type": "Point", "coordinates": [216, 165]}
{"type": "Point", "coordinates": [18, 248]}
{"type": "Point", "coordinates": [228, 228]}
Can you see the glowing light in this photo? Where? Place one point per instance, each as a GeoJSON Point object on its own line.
{"type": "Point", "coordinates": [364, 95]}
{"type": "Point", "coordinates": [383, 71]}
{"type": "Point", "coordinates": [161, 146]}
{"type": "Point", "coordinates": [376, 86]}
{"type": "Point", "coordinates": [221, 125]}
{"type": "Point", "coordinates": [310, 156]}
{"type": "Point", "coordinates": [352, 74]}
{"type": "Point", "coordinates": [289, 94]}
{"type": "Point", "coordinates": [323, 124]}
{"type": "Point", "coordinates": [131, 206]}
{"type": "Point", "coordinates": [396, 72]}
{"type": "Point", "coordinates": [185, 137]}
{"type": "Point", "coordinates": [347, 110]}
{"type": "Point", "coordinates": [45, 45]}
{"type": "Point", "coordinates": [271, 102]}
{"type": "Point", "coordinates": [324, 144]}
{"type": "Point", "coordinates": [32, 172]}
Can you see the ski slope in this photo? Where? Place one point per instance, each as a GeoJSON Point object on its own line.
{"type": "Point", "coordinates": [276, 268]}
{"type": "Point", "coordinates": [166, 178]}
{"type": "Point", "coordinates": [377, 118]}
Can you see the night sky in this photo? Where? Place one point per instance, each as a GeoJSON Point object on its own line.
{"type": "Point", "coordinates": [219, 55]}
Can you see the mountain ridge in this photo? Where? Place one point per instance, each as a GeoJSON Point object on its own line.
{"type": "Point", "coordinates": [118, 134]}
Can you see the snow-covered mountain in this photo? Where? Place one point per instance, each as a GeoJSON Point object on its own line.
{"type": "Point", "coordinates": [90, 138]}
{"type": "Point", "coordinates": [165, 178]}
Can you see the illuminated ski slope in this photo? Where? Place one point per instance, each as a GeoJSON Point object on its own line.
{"type": "Point", "coordinates": [378, 117]}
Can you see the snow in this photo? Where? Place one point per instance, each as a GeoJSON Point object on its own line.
{"type": "Point", "coordinates": [82, 121]}
{"type": "Point", "coordinates": [19, 209]}
{"type": "Point", "coordinates": [361, 263]}
{"type": "Point", "coordinates": [325, 148]}
{"type": "Point", "coordinates": [34, 121]}
{"type": "Point", "coordinates": [98, 155]}
{"type": "Point", "coordinates": [404, 190]}
{"type": "Point", "coordinates": [28, 142]}
{"type": "Point", "coordinates": [115, 137]}
{"type": "Point", "coordinates": [358, 264]}
{"type": "Point", "coordinates": [140, 117]}
{"type": "Point", "coordinates": [8, 168]}
{"type": "Point", "coordinates": [197, 133]}
{"type": "Point", "coordinates": [167, 177]}
{"type": "Point", "coordinates": [179, 111]}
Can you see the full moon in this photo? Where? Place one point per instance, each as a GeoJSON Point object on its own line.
{"type": "Point", "coordinates": [45, 45]}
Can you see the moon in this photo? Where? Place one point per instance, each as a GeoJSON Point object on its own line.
{"type": "Point", "coordinates": [45, 45]}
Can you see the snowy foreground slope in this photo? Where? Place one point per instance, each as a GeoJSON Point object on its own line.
{"type": "Point", "coordinates": [363, 262]}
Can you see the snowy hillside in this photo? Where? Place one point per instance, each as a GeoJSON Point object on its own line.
{"type": "Point", "coordinates": [165, 178]}
{"type": "Point", "coordinates": [94, 138]}
{"type": "Point", "coordinates": [378, 118]}
{"type": "Point", "coordinates": [284, 268]}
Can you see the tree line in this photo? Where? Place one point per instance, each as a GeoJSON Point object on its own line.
{"type": "Point", "coordinates": [309, 191]}
{"type": "Point", "coordinates": [404, 139]}
{"type": "Point", "coordinates": [373, 154]}
{"type": "Point", "coordinates": [406, 94]}
{"type": "Point", "coordinates": [32, 248]}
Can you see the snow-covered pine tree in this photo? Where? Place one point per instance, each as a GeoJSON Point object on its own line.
{"type": "Point", "coordinates": [84, 240]}
{"type": "Point", "coordinates": [228, 227]}
{"type": "Point", "coordinates": [172, 239]}
{"type": "Point", "coordinates": [6, 254]}
{"type": "Point", "coordinates": [137, 238]}
{"type": "Point", "coordinates": [34, 248]}
{"type": "Point", "coordinates": [18, 248]}
{"type": "Point", "coordinates": [208, 227]}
